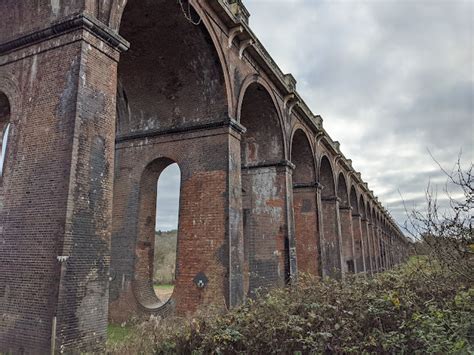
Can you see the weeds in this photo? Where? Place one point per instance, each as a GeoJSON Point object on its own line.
{"type": "Point", "coordinates": [415, 308]}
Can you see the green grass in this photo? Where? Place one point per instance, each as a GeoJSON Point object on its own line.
{"type": "Point", "coordinates": [118, 334]}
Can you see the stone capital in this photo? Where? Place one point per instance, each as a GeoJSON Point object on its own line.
{"type": "Point", "coordinates": [330, 199]}
{"type": "Point", "coordinates": [309, 185]}
{"type": "Point", "coordinates": [78, 22]}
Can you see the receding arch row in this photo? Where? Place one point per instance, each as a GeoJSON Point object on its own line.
{"type": "Point", "coordinates": [350, 235]}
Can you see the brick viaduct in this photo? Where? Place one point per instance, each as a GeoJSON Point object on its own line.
{"type": "Point", "coordinates": [97, 97]}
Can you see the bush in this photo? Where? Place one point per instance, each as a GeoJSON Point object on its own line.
{"type": "Point", "coordinates": [165, 257]}
{"type": "Point", "coordinates": [443, 231]}
{"type": "Point", "coordinates": [416, 308]}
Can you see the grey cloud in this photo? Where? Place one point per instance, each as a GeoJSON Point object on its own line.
{"type": "Point", "coordinates": [392, 79]}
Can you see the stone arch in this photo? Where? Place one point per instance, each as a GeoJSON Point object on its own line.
{"type": "Point", "coordinates": [362, 207]}
{"type": "Point", "coordinates": [342, 193]}
{"type": "Point", "coordinates": [263, 142]}
{"type": "Point", "coordinates": [305, 203]}
{"type": "Point", "coordinates": [371, 211]}
{"type": "Point", "coordinates": [113, 13]}
{"type": "Point", "coordinates": [303, 158]}
{"type": "Point", "coordinates": [326, 178]}
{"type": "Point", "coordinates": [345, 215]}
{"type": "Point", "coordinates": [331, 253]}
{"type": "Point", "coordinates": [257, 79]}
{"type": "Point", "coordinates": [354, 201]}
{"type": "Point", "coordinates": [145, 245]}
{"type": "Point", "coordinates": [264, 177]}
{"type": "Point", "coordinates": [163, 83]}
{"type": "Point", "coordinates": [247, 90]}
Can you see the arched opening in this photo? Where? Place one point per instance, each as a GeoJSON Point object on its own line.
{"type": "Point", "coordinates": [331, 241]}
{"type": "Point", "coordinates": [263, 141]}
{"type": "Point", "coordinates": [166, 231]}
{"type": "Point", "coordinates": [4, 129]}
{"type": "Point", "coordinates": [345, 217]}
{"type": "Point", "coordinates": [305, 204]}
{"type": "Point", "coordinates": [171, 76]}
{"type": "Point", "coordinates": [155, 252]}
{"type": "Point", "coordinates": [264, 176]}
{"type": "Point", "coordinates": [357, 232]}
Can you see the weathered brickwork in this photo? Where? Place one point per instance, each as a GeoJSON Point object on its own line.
{"type": "Point", "coordinates": [101, 96]}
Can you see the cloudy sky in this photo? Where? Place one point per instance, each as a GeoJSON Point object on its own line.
{"type": "Point", "coordinates": [393, 79]}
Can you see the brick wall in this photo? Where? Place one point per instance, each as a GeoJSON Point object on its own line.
{"type": "Point", "coordinates": [203, 157]}
{"type": "Point", "coordinates": [345, 215]}
{"type": "Point", "coordinates": [359, 243]}
{"type": "Point", "coordinates": [306, 230]}
{"type": "Point", "coordinates": [61, 144]}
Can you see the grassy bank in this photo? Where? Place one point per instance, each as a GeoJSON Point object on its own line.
{"type": "Point", "coordinates": [417, 308]}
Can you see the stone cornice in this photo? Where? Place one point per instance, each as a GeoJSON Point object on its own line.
{"type": "Point", "coordinates": [330, 199]}
{"type": "Point", "coordinates": [281, 163]}
{"type": "Point", "coordinates": [67, 25]}
{"type": "Point", "coordinates": [232, 124]}
{"type": "Point", "coordinates": [308, 185]}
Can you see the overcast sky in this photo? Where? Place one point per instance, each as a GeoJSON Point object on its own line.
{"type": "Point", "coordinates": [392, 79]}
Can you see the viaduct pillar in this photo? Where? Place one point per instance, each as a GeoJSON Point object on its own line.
{"type": "Point", "coordinates": [57, 195]}
{"type": "Point", "coordinates": [331, 243]}
{"type": "Point", "coordinates": [359, 244]}
{"type": "Point", "coordinates": [345, 215]}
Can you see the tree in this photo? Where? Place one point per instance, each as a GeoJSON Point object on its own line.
{"type": "Point", "coordinates": [444, 233]}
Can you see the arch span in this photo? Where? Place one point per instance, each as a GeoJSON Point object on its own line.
{"type": "Point", "coordinates": [326, 178]}
{"type": "Point", "coordinates": [345, 215]}
{"type": "Point", "coordinates": [263, 142]}
{"type": "Point", "coordinates": [264, 192]}
{"type": "Point", "coordinates": [331, 242]}
{"type": "Point", "coordinates": [305, 204]}
{"type": "Point", "coordinates": [172, 76]}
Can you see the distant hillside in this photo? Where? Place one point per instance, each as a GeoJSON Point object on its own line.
{"type": "Point", "coordinates": [165, 257]}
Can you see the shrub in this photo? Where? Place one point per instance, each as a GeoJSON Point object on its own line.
{"type": "Point", "coordinates": [416, 308]}
{"type": "Point", "coordinates": [165, 257]}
